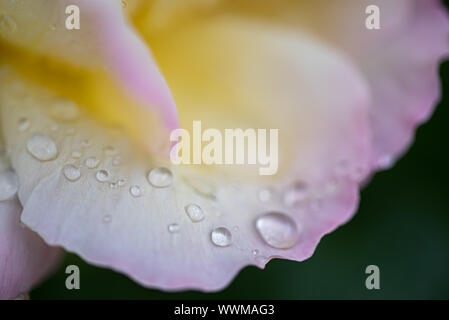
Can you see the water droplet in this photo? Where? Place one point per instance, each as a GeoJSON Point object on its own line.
{"type": "Point", "coordinates": [76, 154]}
{"type": "Point", "coordinates": [42, 147]}
{"type": "Point", "coordinates": [71, 172]}
{"type": "Point", "coordinates": [63, 110]}
{"type": "Point", "coordinates": [295, 194]}
{"type": "Point", "coordinates": [160, 177]}
{"type": "Point", "coordinates": [109, 151]}
{"type": "Point", "coordinates": [107, 218]}
{"type": "Point", "coordinates": [173, 228]}
{"type": "Point", "coordinates": [102, 175]}
{"type": "Point", "coordinates": [120, 182]}
{"type": "Point", "coordinates": [91, 162]}
{"type": "Point", "coordinates": [277, 230]}
{"type": "Point", "coordinates": [135, 191]}
{"type": "Point", "coordinates": [9, 184]}
{"type": "Point", "coordinates": [265, 194]}
{"type": "Point", "coordinates": [194, 212]}
{"type": "Point", "coordinates": [53, 27]}
{"type": "Point", "coordinates": [23, 124]}
{"type": "Point", "coordinates": [221, 237]}
{"type": "Point", "coordinates": [385, 161]}
{"type": "Point", "coordinates": [255, 252]}
{"type": "Point", "coordinates": [7, 23]}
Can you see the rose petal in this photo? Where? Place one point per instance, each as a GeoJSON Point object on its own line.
{"type": "Point", "coordinates": [24, 258]}
{"type": "Point", "coordinates": [271, 78]}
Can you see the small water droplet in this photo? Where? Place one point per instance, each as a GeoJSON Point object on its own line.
{"type": "Point", "coordinates": [76, 154]}
{"type": "Point", "coordinates": [160, 177]}
{"type": "Point", "coordinates": [91, 162]}
{"type": "Point", "coordinates": [9, 184]}
{"type": "Point", "coordinates": [277, 230]}
{"type": "Point", "coordinates": [120, 182]}
{"type": "Point", "coordinates": [135, 191]}
{"type": "Point", "coordinates": [255, 252]}
{"type": "Point", "coordinates": [42, 147]}
{"type": "Point", "coordinates": [7, 23]}
{"type": "Point", "coordinates": [102, 175]}
{"type": "Point", "coordinates": [173, 228]}
{"type": "Point", "coordinates": [71, 172]}
{"type": "Point", "coordinates": [295, 194]}
{"type": "Point", "coordinates": [53, 27]}
{"type": "Point", "coordinates": [63, 110]}
{"type": "Point", "coordinates": [23, 124]}
{"type": "Point", "coordinates": [107, 218]}
{"type": "Point", "coordinates": [221, 237]}
{"type": "Point", "coordinates": [385, 161]}
{"type": "Point", "coordinates": [194, 212]}
{"type": "Point", "coordinates": [113, 185]}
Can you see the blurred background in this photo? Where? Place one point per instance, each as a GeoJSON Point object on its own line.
{"type": "Point", "coordinates": [402, 226]}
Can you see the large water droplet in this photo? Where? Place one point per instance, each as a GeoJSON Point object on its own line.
{"type": "Point", "coordinates": [160, 177]}
{"type": "Point", "coordinates": [173, 228]}
{"type": "Point", "coordinates": [9, 185]}
{"type": "Point", "coordinates": [63, 110]}
{"type": "Point", "coordinates": [7, 23]}
{"type": "Point", "coordinates": [42, 147]}
{"type": "Point", "coordinates": [221, 237]}
{"type": "Point", "coordinates": [71, 172]}
{"type": "Point", "coordinates": [102, 175]}
{"type": "Point", "coordinates": [194, 212]}
{"type": "Point", "coordinates": [23, 124]}
{"type": "Point", "coordinates": [91, 162]}
{"type": "Point", "coordinates": [135, 191]}
{"type": "Point", "coordinates": [277, 230]}
{"type": "Point", "coordinates": [295, 194]}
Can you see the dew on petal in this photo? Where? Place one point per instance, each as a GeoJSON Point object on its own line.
{"type": "Point", "coordinates": [102, 175]}
{"type": "Point", "coordinates": [107, 218]}
{"type": "Point", "coordinates": [173, 228]}
{"type": "Point", "coordinates": [91, 162]}
{"type": "Point", "coordinates": [9, 184]}
{"type": "Point", "coordinates": [63, 110]}
{"type": "Point", "coordinates": [221, 237]}
{"type": "Point", "coordinates": [295, 194]}
{"type": "Point", "coordinates": [277, 230]}
{"type": "Point", "coordinates": [42, 147]}
{"type": "Point", "coordinates": [160, 177]}
{"type": "Point", "coordinates": [194, 212]}
{"type": "Point", "coordinates": [23, 124]}
{"type": "Point", "coordinates": [120, 182]}
{"type": "Point", "coordinates": [71, 172]}
{"type": "Point", "coordinates": [135, 191]}
{"type": "Point", "coordinates": [7, 23]}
